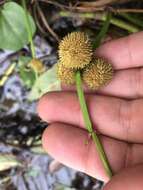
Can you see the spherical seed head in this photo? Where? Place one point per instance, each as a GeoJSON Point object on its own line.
{"type": "Point", "coordinates": [66, 75]}
{"type": "Point", "coordinates": [37, 65]}
{"type": "Point", "coordinates": [98, 74]}
{"type": "Point", "coordinates": [75, 50]}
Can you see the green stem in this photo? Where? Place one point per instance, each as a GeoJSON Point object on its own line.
{"type": "Point", "coordinates": [102, 16]}
{"type": "Point", "coordinates": [88, 124]}
{"type": "Point", "coordinates": [124, 25]}
{"type": "Point", "coordinates": [83, 103]}
{"type": "Point", "coordinates": [103, 31]}
{"type": "Point", "coordinates": [27, 22]}
{"type": "Point", "coordinates": [132, 19]}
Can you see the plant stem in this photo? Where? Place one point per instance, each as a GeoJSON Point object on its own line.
{"type": "Point", "coordinates": [83, 103]}
{"type": "Point", "coordinates": [102, 16]}
{"type": "Point", "coordinates": [132, 19]}
{"type": "Point", "coordinates": [88, 124]}
{"type": "Point", "coordinates": [27, 22]}
{"type": "Point", "coordinates": [103, 31]}
{"type": "Point", "coordinates": [124, 25]}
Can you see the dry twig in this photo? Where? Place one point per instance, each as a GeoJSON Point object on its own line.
{"type": "Point", "coordinates": [128, 10]}
{"type": "Point", "coordinates": [102, 3]}
{"type": "Point", "coordinates": [46, 24]}
{"type": "Point", "coordinates": [98, 3]}
{"type": "Point", "coordinates": [37, 20]}
{"type": "Point", "coordinates": [72, 7]}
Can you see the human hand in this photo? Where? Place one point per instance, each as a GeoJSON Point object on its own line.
{"type": "Point", "coordinates": [116, 112]}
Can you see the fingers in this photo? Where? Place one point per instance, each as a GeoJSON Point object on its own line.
{"type": "Point", "coordinates": [113, 117]}
{"type": "Point", "coordinates": [131, 178]}
{"type": "Point", "coordinates": [125, 84]}
{"type": "Point", "coordinates": [67, 144]}
{"type": "Point", "coordinates": [125, 52]}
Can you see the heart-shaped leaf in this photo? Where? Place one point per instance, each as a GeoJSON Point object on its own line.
{"type": "Point", "coordinates": [13, 30]}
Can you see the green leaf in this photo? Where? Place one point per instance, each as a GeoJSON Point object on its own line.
{"type": "Point", "coordinates": [8, 161]}
{"type": "Point", "coordinates": [13, 31]}
{"type": "Point", "coordinates": [47, 82]}
{"type": "Point", "coordinates": [26, 74]}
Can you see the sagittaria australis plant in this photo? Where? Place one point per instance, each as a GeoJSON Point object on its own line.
{"type": "Point", "coordinates": [76, 65]}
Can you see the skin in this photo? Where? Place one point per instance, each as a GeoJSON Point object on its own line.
{"type": "Point", "coordinates": [116, 112]}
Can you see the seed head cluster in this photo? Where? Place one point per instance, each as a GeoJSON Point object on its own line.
{"type": "Point", "coordinates": [98, 73]}
{"type": "Point", "coordinates": [66, 75]}
{"type": "Point", "coordinates": [37, 65]}
{"type": "Point", "coordinates": [75, 50]}
{"type": "Point", "coordinates": [75, 53]}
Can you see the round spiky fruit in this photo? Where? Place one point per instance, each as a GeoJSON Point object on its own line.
{"type": "Point", "coordinates": [66, 75]}
{"type": "Point", "coordinates": [37, 65]}
{"type": "Point", "coordinates": [75, 50]}
{"type": "Point", "coordinates": [98, 74]}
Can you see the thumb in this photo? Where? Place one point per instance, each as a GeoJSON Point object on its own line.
{"type": "Point", "coordinates": [129, 179]}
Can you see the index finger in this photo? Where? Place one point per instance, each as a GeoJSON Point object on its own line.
{"type": "Point", "coordinates": [123, 53]}
{"type": "Point", "coordinates": [114, 117]}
